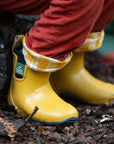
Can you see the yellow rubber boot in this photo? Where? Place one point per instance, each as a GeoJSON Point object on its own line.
{"type": "Point", "coordinates": [30, 88]}
{"type": "Point", "coordinates": [75, 80]}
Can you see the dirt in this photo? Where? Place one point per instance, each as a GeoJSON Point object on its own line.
{"type": "Point", "coordinates": [96, 121]}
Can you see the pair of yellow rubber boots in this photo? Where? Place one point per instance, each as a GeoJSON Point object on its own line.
{"type": "Point", "coordinates": [31, 88]}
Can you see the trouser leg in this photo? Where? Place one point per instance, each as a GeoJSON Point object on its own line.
{"type": "Point", "coordinates": [105, 17]}
{"type": "Point", "coordinates": [56, 38]}
{"type": "Point", "coordinates": [30, 7]}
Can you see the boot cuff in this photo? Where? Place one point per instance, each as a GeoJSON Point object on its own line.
{"type": "Point", "coordinates": [39, 62]}
{"type": "Point", "coordinates": [93, 42]}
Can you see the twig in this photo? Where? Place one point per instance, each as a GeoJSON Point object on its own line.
{"type": "Point", "coordinates": [9, 129]}
{"type": "Point", "coordinates": [29, 117]}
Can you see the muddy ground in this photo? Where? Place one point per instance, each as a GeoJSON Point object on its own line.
{"type": "Point", "coordinates": [96, 121]}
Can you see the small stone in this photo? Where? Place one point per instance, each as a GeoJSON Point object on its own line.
{"type": "Point", "coordinates": [88, 111]}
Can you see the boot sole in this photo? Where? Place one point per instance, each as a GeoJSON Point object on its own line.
{"type": "Point", "coordinates": [69, 120]}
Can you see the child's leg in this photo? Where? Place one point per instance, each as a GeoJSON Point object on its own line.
{"type": "Point", "coordinates": [28, 7]}
{"type": "Point", "coordinates": [106, 52]}
{"type": "Point", "coordinates": [106, 16]}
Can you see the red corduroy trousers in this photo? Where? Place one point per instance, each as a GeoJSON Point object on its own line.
{"type": "Point", "coordinates": [64, 24]}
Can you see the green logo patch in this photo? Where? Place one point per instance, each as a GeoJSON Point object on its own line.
{"type": "Point", "coordinates": [19, 68]}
